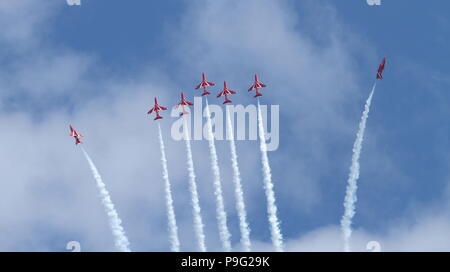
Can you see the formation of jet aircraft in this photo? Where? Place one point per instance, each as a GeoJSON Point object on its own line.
{"type": "Point", "coordinates": [257, 85]}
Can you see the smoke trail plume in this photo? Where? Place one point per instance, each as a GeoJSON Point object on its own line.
{"type": "Point", "coordinates": [196, 211]}
{"type": "Point", "coordinates": [238, 192]}
{"type": "Point", "coordinates": [350, 197]}
{"type": "Point", "coordinates": [277, 237]}
{"type": "Point", "coordinates": [173, 229]}
{"type": "Point", "coordinates": [220, 206]}
{"type": "Point", "coordinates": [121, 240]}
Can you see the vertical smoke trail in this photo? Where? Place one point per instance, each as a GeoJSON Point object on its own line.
{"type": "Point", "coordinates": [350, 197]}
{"type": "Point", "coordinates": [121, 240]}
{"type": "Point", "coordinates": [238, 192]}
{"type": "Point", "coordinates": [277, 237]}
{"type": "Point", "coordinates": [220, 207]}
{"type": "Point", "coordinates": [173, 229]}
{"type": "Point", "coordinates": [196, 211]}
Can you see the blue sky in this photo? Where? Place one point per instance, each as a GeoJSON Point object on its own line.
{"type": "Point", "coordinates": [123, 35]}
{"type": "Point", "coordinates": [100, 64]}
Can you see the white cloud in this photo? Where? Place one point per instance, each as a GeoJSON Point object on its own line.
{"type": "Point", "coordinates": [429, 233]}
{"type": "Point", "coordinates": [20, 22]}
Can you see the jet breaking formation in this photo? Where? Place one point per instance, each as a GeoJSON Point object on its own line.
{"type": "Point", "coordinates": [381, 69]}
{"type": "Point", "coordinates": [352, 186]}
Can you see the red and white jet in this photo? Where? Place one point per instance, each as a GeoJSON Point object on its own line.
{"type": "Point", "coordinates": [381, 68]}
{"type": "Point", "coordinates": [76, 135]}
{"type": "Point", "coordinates": [183, 103]}
{"type": "Point", "coordinates": [256, 86]}
{"type": "Point", "coordinates": [226, 92]}
{"type": "Point", "coordinates": [156, 109]}
{"type": "Point", "coordinates": [204, 84]}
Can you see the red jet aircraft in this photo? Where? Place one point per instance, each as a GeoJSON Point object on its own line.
{"type": "Point", "coordinates": [156, 109]}
{"type": "Point", "coordinates": [381, 68]}
{"type": "Point", "coordinates": [204, 84]}
{"type": "Point", "coordinates": [256, 86]}
{"type": "Point", "coordinates": [226, 92]}
{"type": "Point", "coordinates": [76, 135]}
{"type": "Point", "coordinates": [183, 103]}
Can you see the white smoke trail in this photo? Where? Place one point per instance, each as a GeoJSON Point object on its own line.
{"type": "Point", "coordinates": [350, 197]}
{"type": "Point", "coordinates": [277, 237]}
{"type": "Point", "coordinates": [196, 211]}
{"type": "Point", "coordinates": [238, 192]}
{"type": "Point", "coordinates": [121, 240]}
{"type": "Point", "coordinates": [220, 206]}
{"type": "Point", "coordinates": [173, 229]}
